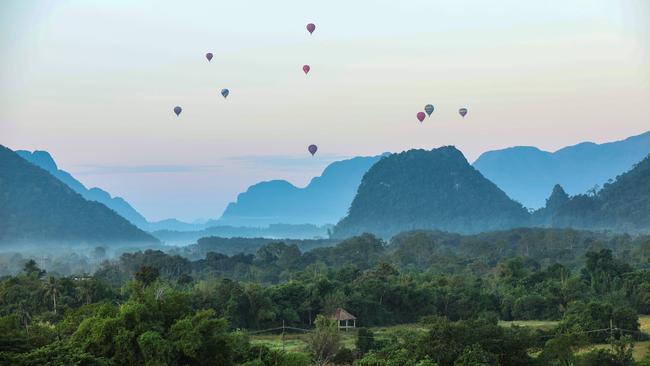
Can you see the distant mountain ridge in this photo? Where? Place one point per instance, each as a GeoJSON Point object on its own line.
{"type": "Point", "coordinates": [622, 205]}
{"type": "Point", "coordinates": [438, 189]}
{"type": "Point", "coordinates": [44, 160]}
{"type": "Point", "coordinates": [435, 189]}
{"type": "Point", "coordinates": [324, 200]}
{"type": "Point", "coordinates": [528, 174]}
{"type": "Point", "coordinates": [37, 207]}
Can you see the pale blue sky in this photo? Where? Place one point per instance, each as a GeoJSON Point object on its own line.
{"type": "Point", "coordinates": [94, 83]}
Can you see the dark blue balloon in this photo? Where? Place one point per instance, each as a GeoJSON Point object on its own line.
{"type": "Point", "coordinates": [225, 92]}
{"type": "Point", "coordinates": [312, 149]}
{"type": "Point", "coordinates": [429, 109]}
{"type": "Point", "coordinates": [178, 110]}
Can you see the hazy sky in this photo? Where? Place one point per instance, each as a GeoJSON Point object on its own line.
{"type": "Point", "coordinates": [94, 83]}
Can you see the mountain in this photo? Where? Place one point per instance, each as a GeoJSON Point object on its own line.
{"type": "Point", "coordinates": [528, 174]}
{"type": "Point", "coordinates": [36, 207]}
{"type": "Point", "coordinates": [324, 200]}
{"type": "Point", "coordinates": [44, 160]}
{"type": "Point", "coordinates": [435, 189]}
{"type": "Point", "coordinates": [623, 205]}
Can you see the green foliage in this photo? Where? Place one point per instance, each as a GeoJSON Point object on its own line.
{"type": "Point", "coordinates": [561, 350]}
{"type": "Point", "coordinates": [137, 311]}
{"type": "Point", "coordinates": [597, 317]}
{"type": "Point", "coordinates": [620, 354]}
{"type": "Point", "coordinates": [324, 341]}
{"type": "Point", "coordinates": [474, 355]}
{"type": "Point", "coordinates": [470, 341]}
{"type": "Point", "coordinates": [147, 275]}
{"type": "Point", "coordinates": [365, 340]}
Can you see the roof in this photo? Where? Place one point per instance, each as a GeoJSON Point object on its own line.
{"type": "Point", "coordinates": [342, 314]}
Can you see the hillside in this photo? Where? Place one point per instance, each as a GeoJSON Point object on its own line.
{"type": "Point", "coordinates": [622, 205]}
{"type": "Point", "coordinates": [435, 189]}
{"type": "Point", "coordinates": [36, 207]}
{"type": "Point", "coordinates": [324, 200]}
{"type": "Point", "coordinates": [44, 160]}
{"type": "Point", "coordinates": [528, 174]}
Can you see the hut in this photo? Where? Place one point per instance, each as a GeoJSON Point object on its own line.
{"type": "Point", "coordinates": [344, 319]}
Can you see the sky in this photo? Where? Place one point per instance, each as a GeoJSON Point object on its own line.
{"type": "Point", "coordinates": [94, 83]}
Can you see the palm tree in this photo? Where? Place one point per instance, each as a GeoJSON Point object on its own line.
{"type": "Point", "coordinates": [52, 288]}
{"type": "Point", "coordinates": [25, 317]}
{"type": "Point", "coordinates": [85, 291]}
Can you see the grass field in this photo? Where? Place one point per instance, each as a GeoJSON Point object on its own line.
{"type": "Point", "coordinates": [644, 321]}
{"type": "Point", "coordinates": [297, 342]}
{"type": "Point", "coordinates": [640, 349]}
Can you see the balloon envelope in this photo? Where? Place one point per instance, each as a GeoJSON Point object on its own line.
{"type": "Point", "coordinates": [429, 109]}
{"type": "Point", "coordinates": [462, 112]}
{"type": "Point", "coordinates": [306, 69]}
{"type": "Point", "coordinates": [312, 149]}
{"type": "Point", "coordinates": [420, 116]}
{"type": "Point", "coordinates": [178, 110]}
{"type": "Point", "coordinates": [311, 27]}
{"type": "Point", "coordinates": [208, 56]}
{"type": "Point", "coordinates": [225, 92]}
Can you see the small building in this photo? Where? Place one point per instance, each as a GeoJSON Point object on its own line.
{"type": "Point", "coordinates": [344, 319]}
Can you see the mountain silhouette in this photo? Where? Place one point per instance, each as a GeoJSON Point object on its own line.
{"type": "Point", "coordinates": [622, 205]}
{"type": "Point", "coordinates": [324, 200]}
{"type": "Point", "coordinates": [44, 160]}
{"type": "Point", "coordinates": [528, 174]}
{"type": "Point", "coordinates": [36, 207]}
{"type": "Point", "coordinates": [435, 189]}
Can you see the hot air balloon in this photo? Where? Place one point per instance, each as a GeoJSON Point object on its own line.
{"type": "Point", "coordinates": [312, 149]}
{"type": "Point", "coordinates": [429, 109]}
{"type": "Point", "coordinates": [209, 56]}
{"type": "Point", "coordinates": [306, 69]}
{"type": "Point", "coordinates": [421, 116]}
{"type": "Point", "coordinates": [225, 92]}
{"type": "Point", "coordinates": [462, 112]}
{"type": "Point", "coordinates": [311, 27]}
{"type": "Point", "coordinates": [178, 110]}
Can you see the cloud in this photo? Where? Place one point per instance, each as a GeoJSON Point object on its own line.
{"type": "Point", "coordinates": [285, 162]}
{"type": "Point", "coordinates": [95, 169]}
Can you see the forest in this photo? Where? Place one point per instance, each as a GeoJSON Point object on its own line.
{"type": "Point", "coordinates": [424, 298]}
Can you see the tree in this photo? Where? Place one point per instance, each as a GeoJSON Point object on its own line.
{"type": "Point", "coordinates": [156, 350]}
{"type": "Point", "coordinates": [52, 289]}
{"type": "Point", "coordinates": [622, 349]}
{"type": "Point", "coordinates": [561, 349]}
{"type": "Point", "coordinates": [31, 269]}
{"type": "Point", "coordinates": [203, 339]}
{"type": "Point", "coordinates": [147, 275]}
{"type": "Point", "coordinates": [474, 355]}
{"type": "Point", "coordinates": [324, 341]}
{"type": "Point", "coordinates": [365, 340]}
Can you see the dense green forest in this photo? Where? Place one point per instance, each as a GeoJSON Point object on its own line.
{"type": "Point", "coordinates": [158, 308]}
